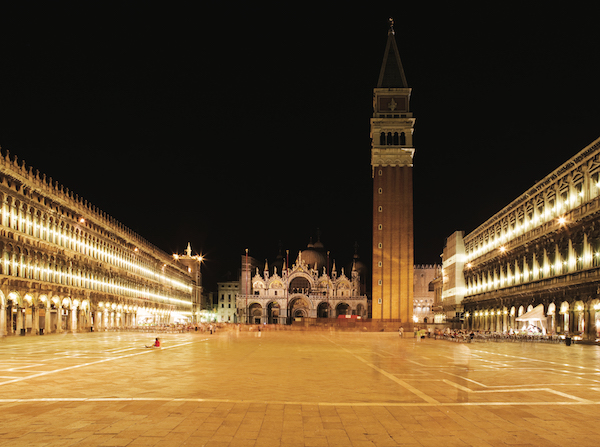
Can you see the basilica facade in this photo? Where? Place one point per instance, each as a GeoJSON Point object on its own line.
{"type": "Point", "coordinates": [304, 290]}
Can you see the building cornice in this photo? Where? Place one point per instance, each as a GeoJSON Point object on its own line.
{"type": "Point", "coordinates": [395, 156]}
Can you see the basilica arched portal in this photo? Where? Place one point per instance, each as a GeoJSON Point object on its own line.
{"type": "Point", "coordinates": [323, 310]}
{"type": "Point", "coordinates": [256, 313]}
{"type": "Point", "coordinates": [273, 313]}
{"type": "Point", "coordinates": [342, 309]}
{"type": "Point", "coordinates": [299, 307]}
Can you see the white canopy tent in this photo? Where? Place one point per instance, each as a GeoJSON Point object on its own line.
{"type": "Point", "coordinates": [535, 315]}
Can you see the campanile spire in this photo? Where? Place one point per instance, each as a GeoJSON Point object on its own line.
{"type": "Point", "coordinates": [392, 72]}
{"type": "Point", "coordinates": [392, 154]}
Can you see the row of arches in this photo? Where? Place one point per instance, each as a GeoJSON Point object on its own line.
{"type": "Point", "coordinates": [577, 250]}
{"type": "Point", "coordinates": [305, 284]}
{"type": "Point", "coordinates": [392, 139]}
{"type": "Point", "coordinates": [26, 262]}
{"type": "Point", "coordinates": [576, 317]}
{"type": "Point", "coordinates": [71, 232]}
{"type": "Point", "coordinates": [38, 314]}
{"type": "Point", "coordinates": [299, 307]}
{"type": "Point", "coordinates": [573, 188]}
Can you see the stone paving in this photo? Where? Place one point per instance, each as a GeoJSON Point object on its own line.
{"type": "Point", "coordinates": [294, 389]}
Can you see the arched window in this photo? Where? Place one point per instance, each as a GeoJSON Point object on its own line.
{"type": "Point", "coordinates": [396, 141]}
{"type": "Point", "coordinates": [299, 285]}
{"type": "Point", "coordinates": [390, 139]}
{"type": "Point", "coordinates": [382, 138]}
{"type": "Point", "coordinates": [402, 139]}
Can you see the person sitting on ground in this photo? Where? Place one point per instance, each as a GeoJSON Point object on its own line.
{"type": "Point", "coordinates": [156, 344]}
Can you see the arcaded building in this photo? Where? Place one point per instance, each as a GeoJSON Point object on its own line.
{"type": "Point", "coordinates": [535, 263]}
{"type": "Point", "coordinates": [424, 293]}
{"type": "Point", "coordinates": [68, 266]}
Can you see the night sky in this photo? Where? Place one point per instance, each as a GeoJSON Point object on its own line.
{"type": "Point", "coordinates": [249, 128]}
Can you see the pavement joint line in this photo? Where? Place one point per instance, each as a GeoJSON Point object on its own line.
{"type": "Point", "coordinates": [17, 368]}
{"type": "Point", "coordinates": [521, 390]}
{"type": "Point", "coordinates": [108, 359]}
{"type": "Point", "coordinates": [568, 396]}
{"type": "Point", "coordinates": [321, 404]}
{"type": "Point", "coordinates": [402, 383]}
{"type": "Point", "coordinates": [537, 360]}
{"type": "Point", "coordinates": [417, 363]}
{"type": "Point", "coordinates": [483, 385]}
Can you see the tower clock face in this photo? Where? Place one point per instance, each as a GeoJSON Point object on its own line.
{"type": "Point", "coordinates": [393, 104]}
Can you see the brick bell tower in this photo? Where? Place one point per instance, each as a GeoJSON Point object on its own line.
{"type": "Point", "coordinates": [392, 154]}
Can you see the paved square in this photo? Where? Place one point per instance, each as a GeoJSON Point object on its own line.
{"type": "Point", "coordinates": [294, 389]}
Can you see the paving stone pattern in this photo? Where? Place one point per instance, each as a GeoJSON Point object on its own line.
{"type": "Point", "coordinates": [294, 389]}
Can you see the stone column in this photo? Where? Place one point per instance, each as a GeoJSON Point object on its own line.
{"type": "Point", "coordinates": [587, 324]}
{"type": "Point", "coordinates": [35, 320]}
{"type": "Point", "coordinates": [20, 320]}
{"type": "Point", "coordinates": [2, 319]}
{"type": "Point", "coordinates": [47, 321]}
{"type": "Point", "coordinates": [59, 328]}
{"type": "Point", "coordinates": [74, 319]}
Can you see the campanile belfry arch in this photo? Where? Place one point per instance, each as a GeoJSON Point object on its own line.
{"type": "Point", "coordinates": [392, 153]}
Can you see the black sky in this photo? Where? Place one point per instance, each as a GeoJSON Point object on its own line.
{"type": "Point", "coordinates": [235, 129]}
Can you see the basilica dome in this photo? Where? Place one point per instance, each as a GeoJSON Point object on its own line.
{"type": "Point", "coordinates": [315, 254]}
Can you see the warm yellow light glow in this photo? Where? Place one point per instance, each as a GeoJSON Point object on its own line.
{"type": "Point", "coordinates": [108, 254]}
